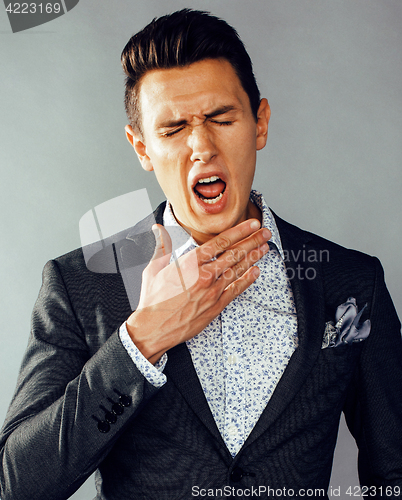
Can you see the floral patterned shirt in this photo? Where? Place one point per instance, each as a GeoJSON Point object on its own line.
{"type": "Point", "coordinates": [241, 355]}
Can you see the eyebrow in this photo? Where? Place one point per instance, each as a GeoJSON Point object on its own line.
{"type": "Point", "coordinates": [217, 112]}
{"type": "Point", "coordinates": [220, 111]}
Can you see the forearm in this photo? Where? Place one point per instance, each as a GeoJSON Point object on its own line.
{"type": "Point", "coordinates": [50, 453]}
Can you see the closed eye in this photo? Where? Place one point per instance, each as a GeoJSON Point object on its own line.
{"type": "Point", "coordinates": [173, 132]}
{"type": "Point", "coordinates": [221, 123]}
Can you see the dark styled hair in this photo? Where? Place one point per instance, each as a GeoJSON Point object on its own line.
{"type": "Point", "coordinates": [180, 39]}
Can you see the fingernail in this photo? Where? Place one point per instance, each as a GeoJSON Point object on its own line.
{"type": "Point", "coordinates": [255, 224]}
{"type": "Point", "coordinates": [256, 272]}
{"type": "Point", "coordinates": [266, 234]}
{"type": "Point", "coordinates": [157, 234]}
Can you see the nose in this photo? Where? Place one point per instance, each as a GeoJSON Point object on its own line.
{"type": "Point", "coordinates": [202, 145]}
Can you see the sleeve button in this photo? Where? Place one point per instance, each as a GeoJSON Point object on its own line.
{"type": "Point", "coordinates": [117, 409]}
{"type": "Point", "coordinates": [125, 400]}
{"type": "Point", "coordinates": [110, 417]}
{"type": "Point", "coordinates": [103, 426]}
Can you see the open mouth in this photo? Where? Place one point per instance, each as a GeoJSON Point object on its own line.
{"type": "Point", "coordinates": [210, 189]}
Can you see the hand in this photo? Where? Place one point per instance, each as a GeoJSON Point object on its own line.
{"type": "Point", "coordinates": [180, 299]}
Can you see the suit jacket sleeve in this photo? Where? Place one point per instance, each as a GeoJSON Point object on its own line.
{"type": "Point", "coordinates": [50, 442]}
{"type": "Point", "coordinates": [373, 409]}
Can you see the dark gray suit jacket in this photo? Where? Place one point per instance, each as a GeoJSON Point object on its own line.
{"type": "Point", "coordinates": [164, 442]}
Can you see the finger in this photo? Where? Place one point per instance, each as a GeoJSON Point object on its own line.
{"type": "Point", "coordinates": [225, 240]}
{"type": "Point", "coordinates": [163, 249]}
{"type": "Point", "coordinates": [236, 279]}
{"type": "Point", "coordinates": [238, 252]}
{"type": "Point", "coordinates": [238, 286]}
{"type": "Point", "coordinates": [238, 270]}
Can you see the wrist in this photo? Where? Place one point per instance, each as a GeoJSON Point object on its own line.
{"type": "Point", "coordinates": [144, 343]}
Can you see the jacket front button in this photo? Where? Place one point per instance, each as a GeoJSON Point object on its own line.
{"type": "Point", "coordinates": [236, 474]}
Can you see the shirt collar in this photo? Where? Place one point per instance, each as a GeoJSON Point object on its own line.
{"type": "Point", "coordinates": [182, 242]}
{"type": "Point", "coordinates": [268, 220]}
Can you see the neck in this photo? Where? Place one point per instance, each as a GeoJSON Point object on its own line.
{"type": "Point", "coordinates": [252, 212]}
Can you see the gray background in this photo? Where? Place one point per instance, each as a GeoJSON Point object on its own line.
{"type": "Point", "coordinates": [331, 70]}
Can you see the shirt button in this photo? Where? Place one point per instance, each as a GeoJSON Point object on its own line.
{"type": "Point", "coordinates": [232, 359]}
{"type": "Point", "coordinates": [232, 430]}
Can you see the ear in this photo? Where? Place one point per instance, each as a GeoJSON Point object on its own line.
{"type": "Point", "coordinates": [263, 116]}
{"type": "Point", "coordinates": [136, 140]}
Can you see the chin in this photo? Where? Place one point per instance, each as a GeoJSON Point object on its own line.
{"type": "Point", "coordinates": [215, 227]}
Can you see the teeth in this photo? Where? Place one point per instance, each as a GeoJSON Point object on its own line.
{"type": "Point", "coordinates": [209, 179]}
{"type": "Point", "coordinates": [212, 201]}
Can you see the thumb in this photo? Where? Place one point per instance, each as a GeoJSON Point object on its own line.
{"type": "Point", "coordinates": [163, 249]}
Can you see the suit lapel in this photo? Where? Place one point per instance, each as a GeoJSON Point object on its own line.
{"type": "Point", "coordinates": [309, 299]}
{"type": "Point", "coordinates": [180, 370]}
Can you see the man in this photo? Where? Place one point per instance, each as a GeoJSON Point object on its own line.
{"type": "Point", "coordinates": [222, 373]}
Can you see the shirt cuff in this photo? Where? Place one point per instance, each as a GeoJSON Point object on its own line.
{"type": "Point", "coordinates": [153, 373]}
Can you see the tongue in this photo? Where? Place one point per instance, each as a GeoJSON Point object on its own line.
{"type": "Point", "coordinates": [210, 190]}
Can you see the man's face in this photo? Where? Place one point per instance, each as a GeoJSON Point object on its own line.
{"type": "Point", "coordinates": [200, 137]}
